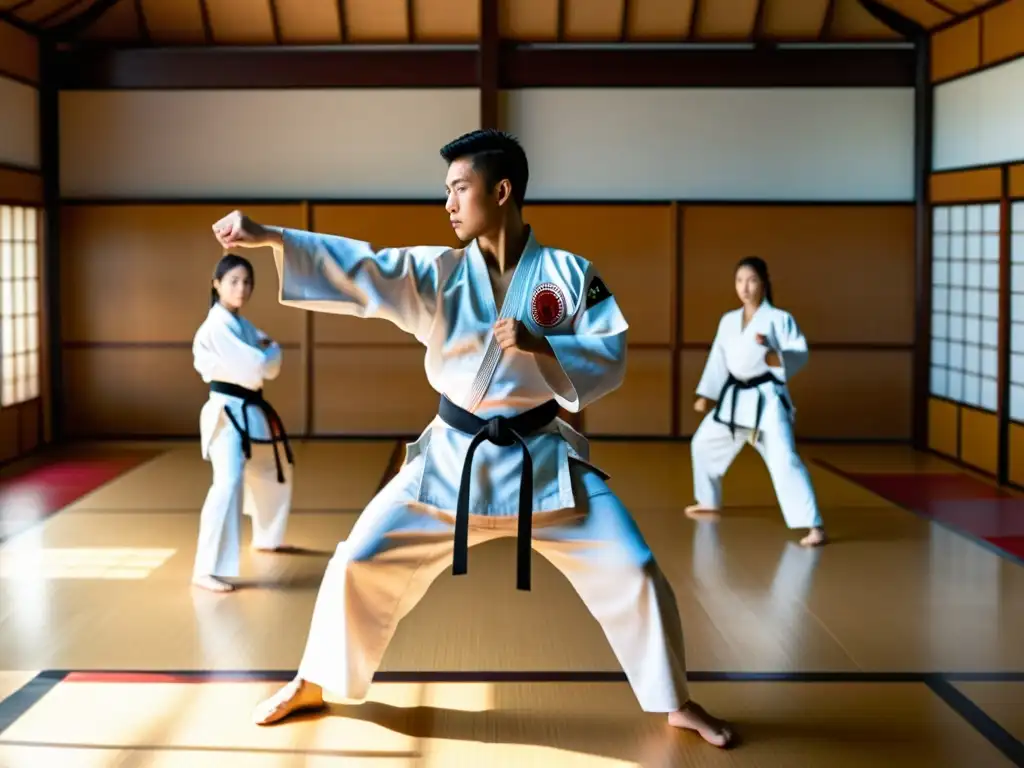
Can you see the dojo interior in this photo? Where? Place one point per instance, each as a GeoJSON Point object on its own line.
{"type": "Point", "coordinates": [871, 151]}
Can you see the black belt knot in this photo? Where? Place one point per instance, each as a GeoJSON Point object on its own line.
{"type": "Point", "coordinates": [737, 385]}
{"type": "Point", "coordinates": [503, 431]}
{"type": "Point", "coordinates": [255, 397]}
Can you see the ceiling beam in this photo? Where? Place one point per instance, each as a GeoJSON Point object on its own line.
{"type": "Point", "coordinates": [490, 42]}
{"type": "Point", "coordinates": [519, 66]}
{"type": "Point", "coordinates": [978, 10]}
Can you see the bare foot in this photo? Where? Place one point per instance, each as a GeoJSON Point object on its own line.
{"type": "Point", "coordinates": [298, 695]}
{"type": "Point", "coordinates": [212, 583]}
{"type": "Point", "coordinates": [693, 717]}
{"type": "Point", "coordinates": [815, 538]}
{"type": "Point", "coordinates": [700, 512]}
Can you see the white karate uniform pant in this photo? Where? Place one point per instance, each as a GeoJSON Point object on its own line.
{"type": "Point", "coordinates": [240, 486]}
{"type": "Point", "coordinates": [714, 448]}
{"type": "Point", "coordinates": [396, 550]}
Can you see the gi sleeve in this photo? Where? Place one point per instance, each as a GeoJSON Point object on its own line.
{"type": "Point", "coordinates": [716, 372]}
{"type": "Point", "coordinates": [218, 354]}
{"type": "Point", "coordinates": [339, 275]}
{"type": "Point", "coordinates": [791, 346]}
{"type": "Point", "coordinates": [590, 361]}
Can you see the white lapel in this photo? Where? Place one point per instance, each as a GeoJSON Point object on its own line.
{"type": "Point", "coordinates": [512, 306]}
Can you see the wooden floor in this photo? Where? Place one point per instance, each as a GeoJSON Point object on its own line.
{"type": "Point", "coordinates": [900, 644]}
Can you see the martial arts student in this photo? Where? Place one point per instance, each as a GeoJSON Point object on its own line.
{"type": "Point", "coordinates": [512, 329]}
{"type": "Point", "coordinates": [239, 431]}
{"type": "Point", "coordinates": [757, 350]}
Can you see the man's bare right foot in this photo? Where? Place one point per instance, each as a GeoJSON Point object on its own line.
{"type": "Point", "coordinates": [212, 583]}
{"type": "Point", "coordinates": [693, 717]}
{"type": "Point", "coordinates": [298, 695]}
{"type": "Point", "coordinates": [700, 512]}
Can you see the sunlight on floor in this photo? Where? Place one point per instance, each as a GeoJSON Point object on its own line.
{"type": "Point", "coordinates": [82, 562]}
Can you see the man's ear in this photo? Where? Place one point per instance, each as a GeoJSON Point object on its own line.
{"type": "Point", "coordinates": [503, 192]}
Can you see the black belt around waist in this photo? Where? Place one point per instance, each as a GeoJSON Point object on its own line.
{"type": "Point", "coordinates": [504, 431]}
{"type": "Point", "coordinates": [735, 385]}
{"type": "Point", "coordinates": [255, 397]}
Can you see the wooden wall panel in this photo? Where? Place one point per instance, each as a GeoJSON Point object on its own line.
{"type": "Point", "coordinates": [979, 439]}
{"type": "Point", "coordinates": [383, 226]}
{"type": "Point", "coordinates": [19, 54]}
{"type": "Point", "coordinates": [135, 290]}
{"type": "Point", "coordinates": [153, 391]}
{"type": "Point", "coordinates": [20, 187]}
{"type": "Point", "coordinates": [827, 264]}
{"type": "Point", "coordinates": [371, 391]}
{"type": "Point", "coordinates": [9, 435]}
{"type": "Point", "coordinates": [632, 246]}
{"type": "Point", "coordinates": [966, 186]}
{"type": "Point", "coordinates": [1017, 181]}
{"type": "Point", "coordinates": [944, 427]}
{"type": "Point", "coordinates": [1017, 454]}
{"type": "Point", "coordinates": [956, 49]}
{"type": "Point", "coordinates": [141, 273]}
{"type": "Point", "coordinates": [643, 404]}
{"type": "Point", "coordinates": [1003, 32]}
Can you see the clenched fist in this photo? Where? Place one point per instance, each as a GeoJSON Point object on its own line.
{"type": "Point", "coordinates": [512, 334]}
{"type": "Point", "coordinates": [236, 230]}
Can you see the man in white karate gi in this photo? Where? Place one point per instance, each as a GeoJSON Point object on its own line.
{"type": "Point", "coordinates": [512, 330]}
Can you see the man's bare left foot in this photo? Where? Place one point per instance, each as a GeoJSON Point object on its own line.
{"type": "Point", "coordinates": [815, 538]}
{"type": "Point", "coordinates": [700, 512]}
{"type": "Point", "coordinates": [693, 717]}
{"type": "Point", "coordinates": [299, 695]}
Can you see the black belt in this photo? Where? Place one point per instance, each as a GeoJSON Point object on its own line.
{"type": "Point", "coordinates": [735, 385]}
{"type": "Point", "coordinates": [504, 431]}
{"type": "Point", "coordinates": [255, 397]}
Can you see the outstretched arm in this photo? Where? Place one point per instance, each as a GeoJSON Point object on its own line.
{"type": "Point", "coordinates": [327, 273]}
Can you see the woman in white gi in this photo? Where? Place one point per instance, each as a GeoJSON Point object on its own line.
{"type": "Point", "coordinates": [512, 330]}
{"type": "Point", "coordinates": [239, 431]}
{"type": "Point", "coordinates": [757, 350]}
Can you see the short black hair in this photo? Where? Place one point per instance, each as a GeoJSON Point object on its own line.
{"type": "Point", "coordinates": [496, 155]}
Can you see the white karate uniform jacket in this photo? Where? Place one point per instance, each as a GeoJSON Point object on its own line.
{"type": "Point", "coordinates": [443, 297]}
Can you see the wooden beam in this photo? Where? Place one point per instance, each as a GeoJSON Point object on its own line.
{"type": "Point", "coordinates": [825, 32]}
{"type": "Point", "coordinates": [49, 157]}
{"type": "Point", "coordinates": [490, 22]}
{"type": "Point", "coordinates": [757, 33]}
{"type": "Point", "coordinates": [779, 67]}
{"type": "Point", "coordinates": [275, 21]}
{"type": "Point", "coordinates": [978, 10]}
{"type": "Point", "coordinates": [562, 11]}
{"type": "Point", "coordinates": [410, 19]}
{"type": "Point", "coordinates": [519, 66]}
{"type": "Point", "coordinates": [342, 21]}
{"type": "Point", "coordinates": [1005, 308]}
{"type": "Point", "coordinates": [204, 13]}
{"type": "Point", "coordinates": [624, 23]}
{"type": "Point", "coordinates": [143, 25]}
{"type": "Point", "coordinates": [694, 20]}
{"type": "Point", "coordinates": [72, 28]}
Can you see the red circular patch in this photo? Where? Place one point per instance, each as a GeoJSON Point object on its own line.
{"type": "Point", "coordinates": [547, 307]}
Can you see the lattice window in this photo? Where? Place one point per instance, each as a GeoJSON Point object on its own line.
{"type": "Point", "coordinates": [1017, 313]}
{"type": "Point", "coordinates": [19, 305]}
{"type": "Point", "coordinates": [965, 304]}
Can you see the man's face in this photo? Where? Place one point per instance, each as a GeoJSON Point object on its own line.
{"type": "Point", "coordinates": [472, 207]}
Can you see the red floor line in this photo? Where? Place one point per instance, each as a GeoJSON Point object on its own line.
{"type": "Point", "coordinates": [973, 509]}
{"type": "Point", "coordinates": [31, 497]}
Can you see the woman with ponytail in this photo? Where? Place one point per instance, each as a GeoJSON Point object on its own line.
{"type": "Point", "coordinates": [757, 350]}
{"type": "Point", "coordinates": [239, 431]}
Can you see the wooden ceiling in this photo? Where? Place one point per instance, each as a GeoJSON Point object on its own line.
{"type": "Point", "coordinates": [314, 22]}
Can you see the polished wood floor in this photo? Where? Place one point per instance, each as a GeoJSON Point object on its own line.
{"type": "Point", "coordinates": [900, 644]}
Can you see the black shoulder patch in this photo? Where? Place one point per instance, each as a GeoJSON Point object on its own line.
{"type": "Point", "coordinates": [597, 292]}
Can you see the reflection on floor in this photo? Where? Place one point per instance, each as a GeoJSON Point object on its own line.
{"type": "Point", "coordinates": [902, 643]}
